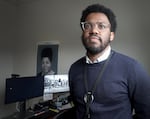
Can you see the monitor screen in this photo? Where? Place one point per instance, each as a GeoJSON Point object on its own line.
{"type": "Point", "coordinates": [56, 83]}
{"type": "Point", "coordinates": [23, 88]}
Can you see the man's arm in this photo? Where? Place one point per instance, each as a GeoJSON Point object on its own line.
{"type": "Point", "coordinates": [139, 88]}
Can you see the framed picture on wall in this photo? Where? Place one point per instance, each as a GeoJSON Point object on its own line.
{"type": "Point", "coordinates": [47, 58]}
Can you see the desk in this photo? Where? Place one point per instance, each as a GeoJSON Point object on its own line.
{"type": "Point", "coordinates": [65, 114]}
{"type": "Point", "coordinates": [43, 115]}
{"type": "Point", "coordinates": [31, 115]}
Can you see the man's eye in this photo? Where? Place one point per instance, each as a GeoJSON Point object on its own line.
{"type": "Point", "coordinates": [87, 26]}
{"type": "Point", "coordinates": [101, 26]}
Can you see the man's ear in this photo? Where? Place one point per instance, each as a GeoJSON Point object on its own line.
{"type": "Point", "coordinates": [112, 36]}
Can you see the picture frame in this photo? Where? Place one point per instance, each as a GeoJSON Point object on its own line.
{"type": "Point", "coordinates": [53, 46]}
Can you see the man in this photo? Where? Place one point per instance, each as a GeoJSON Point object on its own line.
{"type": "Point", "coordinates": [105, 84]}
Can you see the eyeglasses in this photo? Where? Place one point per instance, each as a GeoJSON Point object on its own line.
{"type": "Point", "coordinates": [87, 26]}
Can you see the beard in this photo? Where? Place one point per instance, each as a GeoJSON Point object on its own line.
{"type": "Point", "coordinates": [93, 50]}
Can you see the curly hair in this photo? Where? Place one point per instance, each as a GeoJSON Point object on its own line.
{"type": "Point", "coordinates": [47, 52]}
{"type": "Point", "coordinates": [98, 8]}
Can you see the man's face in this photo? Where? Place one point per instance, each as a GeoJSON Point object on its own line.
{"type": "Point", "coordinates": [97, 35]}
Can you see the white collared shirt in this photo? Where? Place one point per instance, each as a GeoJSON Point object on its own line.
{"type": "Point", "coordinates": [103, 57]}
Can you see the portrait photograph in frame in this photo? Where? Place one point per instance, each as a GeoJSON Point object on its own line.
{"type": "Point", "coordinates": [47, 52]}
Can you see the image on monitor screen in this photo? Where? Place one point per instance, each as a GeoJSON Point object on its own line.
{"type": "Point", "coordinates": [56, 83]}
{"type": "Point", "coordinates": [23, 88]}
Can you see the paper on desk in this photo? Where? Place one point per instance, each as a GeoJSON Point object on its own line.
{"type": "Point", "coordinates": [47, 96]}
{"type": "Point", "coordinates": [66, 106]}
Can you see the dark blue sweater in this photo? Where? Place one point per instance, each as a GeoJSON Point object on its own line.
{"type": "Point", "coordinates": [123, 86]}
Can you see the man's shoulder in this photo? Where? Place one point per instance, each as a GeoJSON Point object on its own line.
{"type": "Point", "coordinates": [123, 58]}
{"type": "Point", "coordinates": [78, 63]}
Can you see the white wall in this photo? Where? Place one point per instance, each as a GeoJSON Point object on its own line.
{"type": "Point", "coordinates": [7, 39]}
{"type": "Point", "coordinates": [58, 20]}
{"type": "Point", "coordinates": [48, 20]}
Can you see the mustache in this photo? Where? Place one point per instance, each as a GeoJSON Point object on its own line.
{"type": "Point", "coordinates": [95, 36]}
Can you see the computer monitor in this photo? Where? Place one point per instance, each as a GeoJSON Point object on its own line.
{"type": "Point", "coordinates": [23, 88]}
{"type": "Point", "coordinates": [56, 83]}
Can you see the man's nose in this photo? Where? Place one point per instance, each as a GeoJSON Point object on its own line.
{"type": "Point", "coordinates": [94, 29]}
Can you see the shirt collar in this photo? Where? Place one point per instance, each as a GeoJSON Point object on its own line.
{"type": "Point", "coordinates": [103, 57]}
